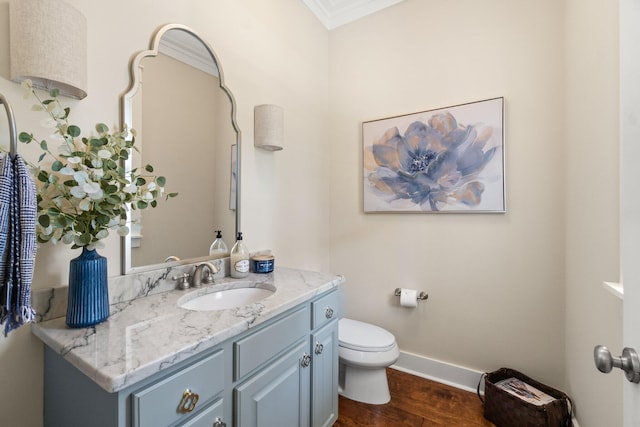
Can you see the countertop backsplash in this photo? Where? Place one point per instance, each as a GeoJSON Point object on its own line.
{"type": "Point", "coordinates": [51, 303]}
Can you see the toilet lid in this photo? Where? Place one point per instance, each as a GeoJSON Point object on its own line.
{"type": "Point", "coordinates": [362, 336]}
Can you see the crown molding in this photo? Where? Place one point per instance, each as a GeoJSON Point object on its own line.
{"type": "Point", "coordinates": [334, 13]}
{"type": "Point", "coordinates": [189, 50]}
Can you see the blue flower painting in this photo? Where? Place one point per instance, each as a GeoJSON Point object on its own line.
{"type": "Point", "coordinates": [446, 160]}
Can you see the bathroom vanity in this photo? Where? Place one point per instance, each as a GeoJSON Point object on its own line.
{"type": "Point", "coordinates": [153, 363]}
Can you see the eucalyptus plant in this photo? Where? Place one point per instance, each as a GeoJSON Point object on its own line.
{"type": "Point", "coordinates": [83, 190]}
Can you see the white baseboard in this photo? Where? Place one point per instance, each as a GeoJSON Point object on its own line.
{"type": "Point", "coordinates": [443, 372]}
{"type": "Point", "coordinates": [436, 370]}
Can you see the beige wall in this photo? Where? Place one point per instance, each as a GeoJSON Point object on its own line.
{"type": "Point", "coordinates": [495, 281]}
{"type": "Point", "coordinates": [271, 52]}
{"type": "Point", "coordinates": [499, 284]}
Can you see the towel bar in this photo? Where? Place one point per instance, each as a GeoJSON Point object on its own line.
{"type": "Point", "coordinates": [13, 141]}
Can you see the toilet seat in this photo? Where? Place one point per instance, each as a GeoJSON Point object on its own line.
{"type": "Point", "coordinates": [360, 336]}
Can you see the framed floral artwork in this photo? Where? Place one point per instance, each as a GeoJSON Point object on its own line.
{"type": "Point", "coordinates": [445, 160]}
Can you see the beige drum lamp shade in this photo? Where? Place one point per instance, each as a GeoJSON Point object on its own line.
{"type": "Point", "coordinates": [48, 44]}
{"type": "Point", "coordinates": [268, 127]}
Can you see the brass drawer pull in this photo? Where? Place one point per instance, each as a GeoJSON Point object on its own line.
{"type": "Point", "coordinates": [188, 402]}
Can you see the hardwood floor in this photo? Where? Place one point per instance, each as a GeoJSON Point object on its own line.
{"type": "Point", "coordinates": [415, 402]}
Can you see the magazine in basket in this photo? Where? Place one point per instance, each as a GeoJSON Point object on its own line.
{"type": "Point", "coordinates": [524, 391]}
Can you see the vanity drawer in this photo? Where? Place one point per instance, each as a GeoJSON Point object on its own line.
{"type": "Point", "coordinates": [209, 416]}
{"type": "Point", "coordinates": [259, 347]}
{"type": "Point", "coordinates": [325, 309]}
{"type": "Point", "coordinates": [159, 404]}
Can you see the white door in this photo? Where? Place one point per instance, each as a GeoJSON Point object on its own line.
{"type": "Point", "coordinates": [630, 191]}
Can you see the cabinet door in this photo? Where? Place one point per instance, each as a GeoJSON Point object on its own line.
{"type": "Point", "coordinates": [278, 395]}
{"type": "Point", "coordinates": [324, 379]}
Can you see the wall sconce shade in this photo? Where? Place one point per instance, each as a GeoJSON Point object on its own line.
{"type": "Point", "coordinates": [268, 127]}
{"type": "Point", "coordinates": [48, 44]}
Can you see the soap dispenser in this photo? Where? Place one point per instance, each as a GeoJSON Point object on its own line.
{"type": "Point", "coordinates": [218, 247]}
{"type": "Point", "coordinates": [239, 262]}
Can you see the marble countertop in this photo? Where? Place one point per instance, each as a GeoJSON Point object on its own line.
{"type": "Point", "coordinates": [148, 334]}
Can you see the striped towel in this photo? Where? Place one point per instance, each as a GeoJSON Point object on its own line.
{"type": "Point", "coordinates": [6, 192]}
{"type": "Point", "coordinates": [18, 194]}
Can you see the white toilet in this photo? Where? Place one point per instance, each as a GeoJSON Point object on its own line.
{"type": "Point", "coordinates": [365, 351]}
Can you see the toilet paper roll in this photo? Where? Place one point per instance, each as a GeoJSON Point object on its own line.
{"type": "Point", "coordinates": [408, 298]}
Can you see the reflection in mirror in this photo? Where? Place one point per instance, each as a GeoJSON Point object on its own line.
{"type": "Point", "coordinates": [184, 118]}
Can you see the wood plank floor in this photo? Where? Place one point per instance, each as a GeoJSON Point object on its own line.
{"type": "Point", "coordinates": [415, 402]}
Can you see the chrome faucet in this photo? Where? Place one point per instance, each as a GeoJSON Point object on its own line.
{"type": "Point", "coordinates": [200, 277]}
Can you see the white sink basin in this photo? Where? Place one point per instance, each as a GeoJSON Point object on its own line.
{"type": "Point", "coordinates": [223, 299]}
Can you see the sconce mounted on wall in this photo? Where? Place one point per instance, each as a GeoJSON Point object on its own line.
{"type": "Point", "coordinates": [48, 45]}
{"type": "Point", "coordinates": [268, 127]}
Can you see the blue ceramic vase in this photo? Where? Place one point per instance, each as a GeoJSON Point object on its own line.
{"type": "Point", "coordinates": [88, 302]}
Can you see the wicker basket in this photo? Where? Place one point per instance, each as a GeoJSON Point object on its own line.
{"type": "Point", "coordinates": [506, 410]}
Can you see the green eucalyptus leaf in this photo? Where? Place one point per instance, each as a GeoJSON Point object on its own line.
{"type": "Point", "coordinates": [154, 203]}
{"type": "Point", "coordinates": [56, 166]}
{"type": "Point", "coordinates": [161, 181]}
{"type": "Point", "coordinates": [103, 219]}
{"type": "Point", "coordinates": [54, 92]}
{"type": "Point", "coordinates": [74, 131]}
{"type": "Point", "coordinates": [25, 137]}
{"type": "Point", "coordinates": [43, 176]}
{"type": "Point", "coordinates": [102, 128]}
{"type": "Point", "coordinates": [142, 204]}
{"type": "Point", "coordinates": [149, 168]}
{"type": "Point", "coordinates": [111, 189]}
{"type": "Point", "coordinates": [44, 220]}
{"type": "Point", "coordinates": [43, 145]}
{"type": "Point", "coordinates": [42, 156]}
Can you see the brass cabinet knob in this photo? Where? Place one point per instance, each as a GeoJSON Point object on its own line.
{"type": "Point", "coordinates": [188, 402]}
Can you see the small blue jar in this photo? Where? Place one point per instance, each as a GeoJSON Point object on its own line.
{"type": "Point", "coordinates": [262, 264]}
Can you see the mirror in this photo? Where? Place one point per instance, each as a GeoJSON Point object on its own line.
{"type": "Point", "coordinates": [185, 122]}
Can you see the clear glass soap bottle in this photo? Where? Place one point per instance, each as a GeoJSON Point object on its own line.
{"type": "Point", "coordinates": [218, 247]}
{"type": "Point", "coordinates": [239, 259]}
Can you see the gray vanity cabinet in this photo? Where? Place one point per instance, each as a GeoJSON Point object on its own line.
{"type": "Point", "coordinates": [278, 395]}
{"type": "Point", "coordinates": [282, 373]}
{"type": "Point", "coordinates": [324, 349]}
{"type": "Point", "coordinates": [324, 382]}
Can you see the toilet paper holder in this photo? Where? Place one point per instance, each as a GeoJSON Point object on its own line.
{"type": "Point", "coordinates": [422, 295]}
